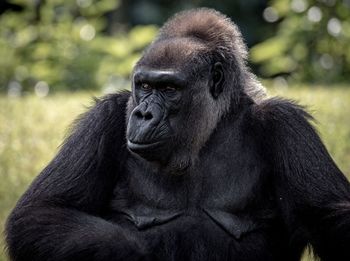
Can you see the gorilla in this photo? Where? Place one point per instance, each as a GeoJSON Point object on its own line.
{"type": "Point", "coordinates": [196, 163]}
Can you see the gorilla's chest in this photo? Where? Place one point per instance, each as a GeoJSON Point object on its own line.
{"type": "Point", "coordinates": [217, 189]}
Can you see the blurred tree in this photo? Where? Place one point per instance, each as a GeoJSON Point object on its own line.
{"type": "Point", "coordinates": [312, 42]}
{"type": "Point", "coordinates": [86, 44]}
{"type": "Point", "coordinates": [247, 14]}
{"type": "Point", "coordinates": [60, 44]}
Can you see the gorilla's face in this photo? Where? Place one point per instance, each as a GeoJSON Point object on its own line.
{"type": "Point", "coordinates": [174, 106]}
{"type": "Point", "coordinates": [158, 96]}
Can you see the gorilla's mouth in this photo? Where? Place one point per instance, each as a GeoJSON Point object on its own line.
{"type": "Point", "coordinates": [142, 146]}
{"type": "Point", "coordinates": [146, 150]}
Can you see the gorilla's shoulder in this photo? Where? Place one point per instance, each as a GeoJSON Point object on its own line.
{"type": "Point", "coordinates": [277, 123]}
{"type": "Point", "coordinates": [105, 112]}
{"type": "Point", "coordinates": [117, 99]}
{"type": "Point", "coordinates": [110, 104]}
{"type": "Point", "coordinates": [278, 110]}
{"type": "Point", "coordinates": [276, 119]}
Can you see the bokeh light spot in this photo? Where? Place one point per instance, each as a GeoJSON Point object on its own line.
{"type": "Point", "coordinates": [14, 89]}
{"type": "Point", "coordinates": [314, 14]}
{"type": "Point", "coordinates": [280, 83]}
{"type": "Point", "coordinates": [326, 61]}
{"type": "Point", "coordinates": [298, 6]}
{"type": "Point", "coordinates": [41, 89]}
{"type": "Point", "coordinates": [87, 32]}
{"type": "Point", "coordinates": [334, 27]}
{"type": "Point", "coordinates": [270, 14]}
{"type": "Point", "coordinates": [84, 3]}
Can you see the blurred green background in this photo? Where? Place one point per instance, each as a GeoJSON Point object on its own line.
{"type": "Point", "coordinates": [56, 54]}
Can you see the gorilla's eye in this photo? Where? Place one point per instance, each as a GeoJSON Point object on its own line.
{"type": "Point", "coordinates": [145, 86]}
{"type": "Point", "coordinates": [170, 88]}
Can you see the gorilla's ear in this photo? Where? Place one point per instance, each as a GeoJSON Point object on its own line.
{"type": "Point", "coordinates": [217, 83]}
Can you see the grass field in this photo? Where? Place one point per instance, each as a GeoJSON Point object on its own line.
{"type": "Point", "coordinates": [32, 128]}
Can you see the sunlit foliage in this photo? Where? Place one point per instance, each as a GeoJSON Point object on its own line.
{"type": "Point", "coordinates": [60, 44]}
{"type": "Point", "coordinates": [311, 43]}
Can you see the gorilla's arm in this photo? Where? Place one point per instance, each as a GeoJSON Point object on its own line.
{"type": "Point", "coordinates": [312, 193]}
{"type": "Point", "coordinates": [57, 218]}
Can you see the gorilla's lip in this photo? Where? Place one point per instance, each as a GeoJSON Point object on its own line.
{"type": "Point", "coordinates": [137, 146]}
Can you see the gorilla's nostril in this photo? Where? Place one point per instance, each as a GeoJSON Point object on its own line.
{"type": "Point", "coordinates": [138, 114]}
{"type": "Point", "coordinates": [143, 115]}
{"type": "Point", "coordinates": [148, 116]}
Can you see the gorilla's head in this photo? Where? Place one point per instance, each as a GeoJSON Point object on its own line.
{"type": "Point", "coordinates": [186, 81]}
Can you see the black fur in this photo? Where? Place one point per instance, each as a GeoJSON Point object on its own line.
{"type": "Point", "coordinates": [261, 185]}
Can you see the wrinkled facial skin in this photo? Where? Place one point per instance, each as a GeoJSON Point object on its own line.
{"type": "Point", "coordinates": [158, 98]}
{"type": "Point", "coordinates": [176, 104]}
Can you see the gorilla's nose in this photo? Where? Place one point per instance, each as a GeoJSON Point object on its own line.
{"type": "Point", "coordinates": [147, 115]}
{"type": "Point", "coordinates": [143, 115]}
{"type": "Point", "coordinates": [143, 122]}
